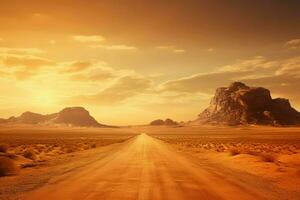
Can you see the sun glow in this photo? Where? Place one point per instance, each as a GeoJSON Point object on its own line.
{"type": "Point", "coordinates": [44, 98]}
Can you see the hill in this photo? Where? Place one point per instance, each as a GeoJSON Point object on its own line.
{"type": "Point", "coordinates": [71, 116]}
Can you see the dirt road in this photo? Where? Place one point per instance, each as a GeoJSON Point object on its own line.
{"type": "Point", "coordinates": [146, 168]}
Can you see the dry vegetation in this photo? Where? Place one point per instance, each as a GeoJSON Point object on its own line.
{"type": "Point", "coordinates": [266, 144]}
{"type": "Point", "coordinates": [34, 146]}
{"type": "Point", "coordinates": [267, 149]}
{"type": "Point", "coordinates": [267, 152]}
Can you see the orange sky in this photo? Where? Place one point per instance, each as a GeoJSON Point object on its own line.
{"type": "Point", "coordinates": [130, 62]}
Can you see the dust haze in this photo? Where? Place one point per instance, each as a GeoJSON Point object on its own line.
{"type": "Point", "coordinates": [149, 100]}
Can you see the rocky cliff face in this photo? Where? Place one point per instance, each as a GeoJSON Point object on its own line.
{"type": "Point", "coordinates": [73, 116]}
{"type": "Point", "coordinates": [77, 116]}
{"type": "Point", "coordinates": [241, 104]}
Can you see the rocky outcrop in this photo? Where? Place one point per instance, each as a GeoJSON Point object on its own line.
{"type": "Point", "coordinates": [160, 122]}
{"type": "Point", "coordinates": [72, 116]}
{"type": "Point", "coordinates": [241, 104]}
{"type": "Point", "coordinates": [76, 116]}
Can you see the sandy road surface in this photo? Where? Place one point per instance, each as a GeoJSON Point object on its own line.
{"type": "Point", "coordinates": [146, 168]}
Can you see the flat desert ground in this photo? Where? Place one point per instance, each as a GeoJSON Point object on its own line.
{"type": "Point", "coordinates": [144, 162]}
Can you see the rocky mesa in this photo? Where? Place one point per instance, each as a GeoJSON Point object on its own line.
{"type": "Point", "coordinates": [241, 104]}
{"type": "Point", "coordinates": [71, 116]}
{"type": "Point", "coordinates": [166, 122]}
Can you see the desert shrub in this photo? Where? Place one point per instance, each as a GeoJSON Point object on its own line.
{"type": "Point", "coordinates": [7, 167]}
{"type": "Point", "coordinates": [234, 151]}
{"type": "Point", "coordinates": [70, 150]}
{"type": "Point", "coordinates": [40, 148]}
{"type": "Point", "coordinates": [94, 145]}
{"type": "Point", "coordinates": [3, 148]}
{"type": "Point", "coordinates": [86, 147]}
{"type": "Point", "coordinates": [30, 154]}
{"type": "Point", "coordinates": [268, 157]}
{"type": "Point", "coordinates": [28, 165]}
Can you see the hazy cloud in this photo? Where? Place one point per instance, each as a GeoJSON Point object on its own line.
{"type": "Point", "coordinates": [179, 51]}
{"type": "Point", "coordinates": [280, 76]}
{"type": "Point", "coordinates": [23, 66]}
{"type": "Point", "coordinates": [171, 48]}
{"type": "Point", "coordinates": [165, 47]}
{"type": "Point", "coordinates": [293, 44]}
{"type": "Point", "coordinates": [122, 89]}
{"type": "Point", "coordinates": [204, 83]}
{"type": "Point", "coordinates": [52, 42]}
{"type": "Point", "coordinates": [4, 74]}
{"type": "Point", "coordinates": [88, 38]}
{"type": "Point", "coordinates": [92, 77]}
{"type": "Point", "coordinates": [27, 61]}
{"type": "Point", "coordinates": [99, 74]}
{"type": "Point", "coordinates": [93, 71]}
{"type": "Point", "coordinates": [115, 47]}
{"type": "Point", "coordinates": [30, 51]}
{"type": "Point", "coordinates": [289, 66]}
{"type": "Point", "coordinates": [78, 66]}
{"type": "Point", "coordinates": [257, 62]}
{"type": "Point", "coordinates": [94, 41]}
{"type": "Point", "coordinates": [208, 82]}
{"type": "Point", "coordinates": [23, 74]}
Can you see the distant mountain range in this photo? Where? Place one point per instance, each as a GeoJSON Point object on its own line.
{"type": "Point", "coordinates": [72, 116]}
{"type": "Point", "coordinates": [237, 104]}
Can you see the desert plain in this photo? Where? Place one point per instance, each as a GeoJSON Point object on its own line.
{"type": "Point", "coordinates": [150, 162]}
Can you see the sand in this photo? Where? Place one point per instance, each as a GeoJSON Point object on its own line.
{"type": "Point", "coordinates": [151, 165]}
